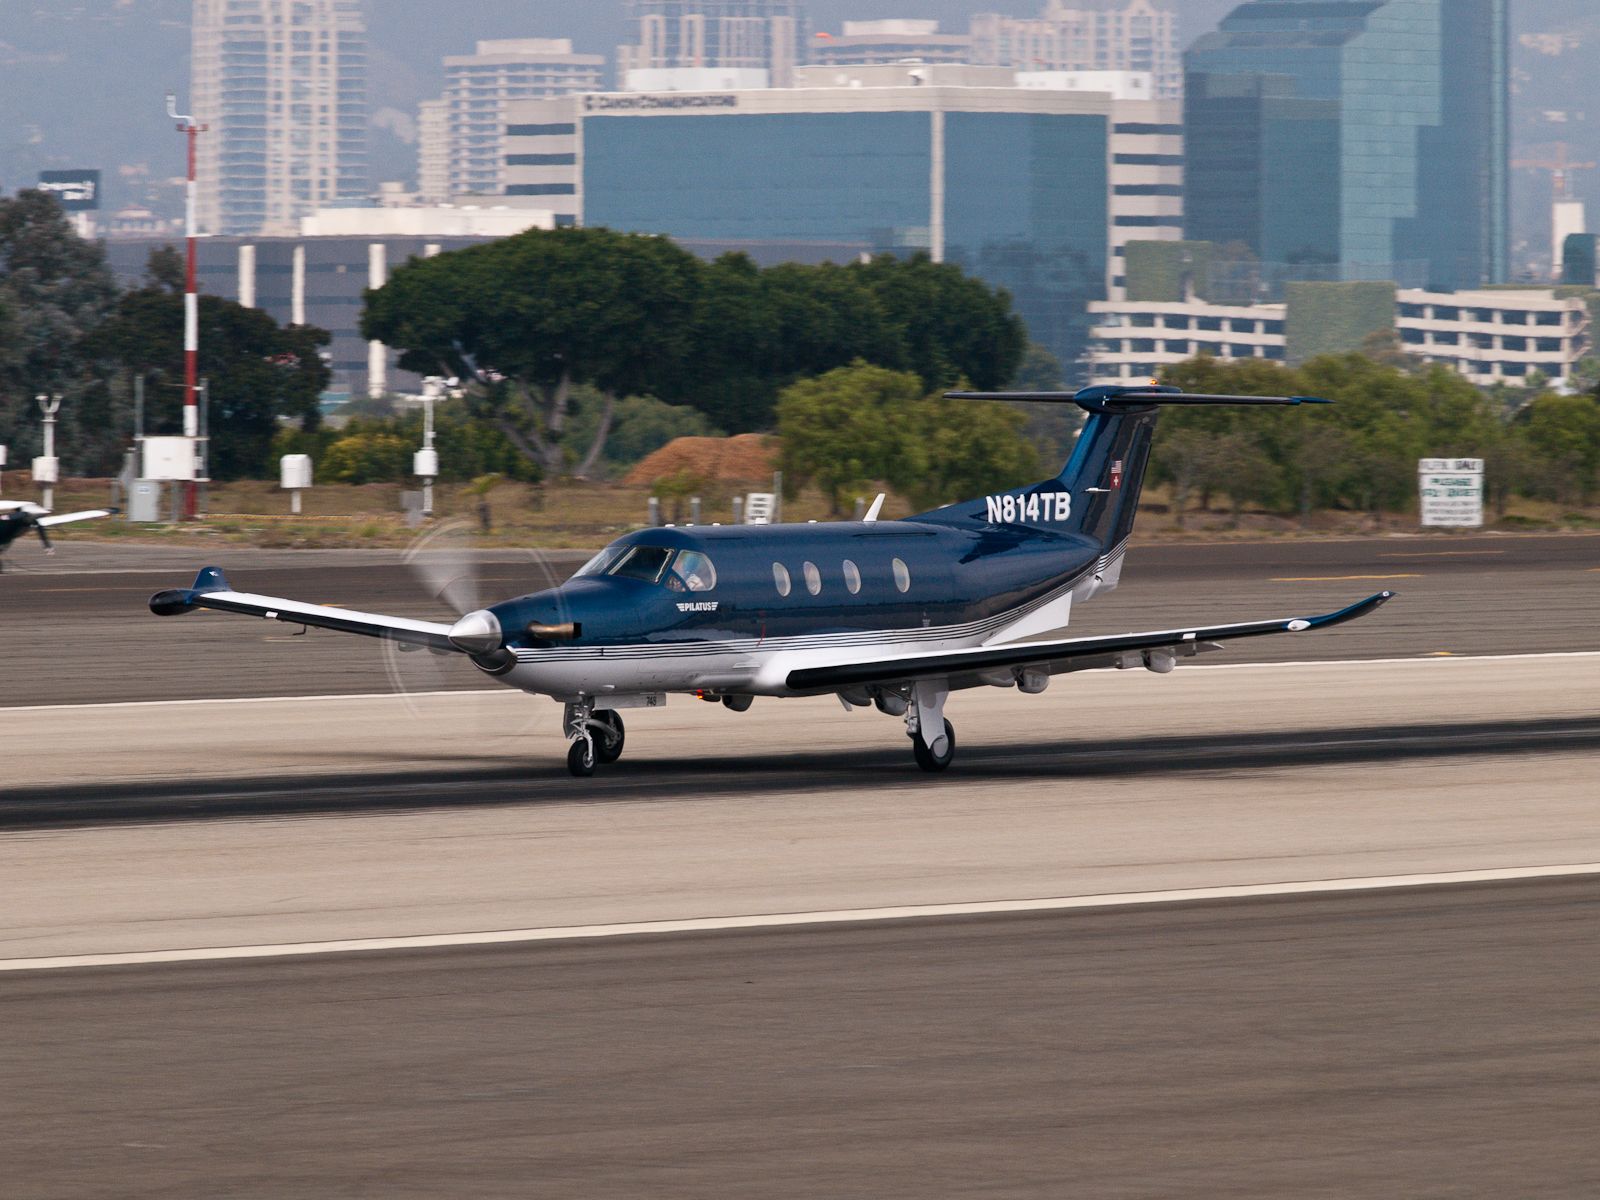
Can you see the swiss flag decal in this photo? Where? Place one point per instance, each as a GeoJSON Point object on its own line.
{"type": "Point", "coordinates": [1116, 473]}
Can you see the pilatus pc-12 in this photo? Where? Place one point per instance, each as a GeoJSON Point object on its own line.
{"type": "Point", "coordinates": [18, 517]}
{"type": "Point", "coordinates": [895, 615]}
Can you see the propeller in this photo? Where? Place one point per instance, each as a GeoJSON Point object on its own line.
{"type": "Point", "coordinates": [448, 567]}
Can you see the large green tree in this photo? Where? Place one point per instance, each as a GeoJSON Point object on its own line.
{"type": "Point", "coordinates": [527, 318]}
{"type": "Point", "coordinates": [258, 371]}
{"type": "Point", "coordinates": [55, 289]}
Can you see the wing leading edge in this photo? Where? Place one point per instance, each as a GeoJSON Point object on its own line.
{"type": "Point", "coordinates": [1073, 654]}
{"type": "Point", "coordinates": [211, 591]}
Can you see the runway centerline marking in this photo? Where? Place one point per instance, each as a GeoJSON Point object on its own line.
{"type": "Point", "coordinates": [504, 937]}
{"type": "Point", "coordinates": [333, 698]}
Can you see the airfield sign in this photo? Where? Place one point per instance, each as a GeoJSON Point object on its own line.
{"type": "Point", "coordinates": [1452, 491]}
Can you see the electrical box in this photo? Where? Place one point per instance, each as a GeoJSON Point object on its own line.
{"type": "Point", "coordinates": [169, 458]}
{"type": "Point", "coordinates": [294, 472]}
{"type": "Point", "coordinates": [2, 456]}
{"type": "Point", "coordinates": [425, 464]}
{"type": "Point", "coordinates": [47, 470]}
{"type": "Point", "coordinates": [144, 501]}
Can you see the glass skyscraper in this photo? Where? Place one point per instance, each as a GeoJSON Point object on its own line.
{"type": "Point", "coordinates": [1354, 138]}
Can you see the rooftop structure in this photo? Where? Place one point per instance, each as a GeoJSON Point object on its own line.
{"type": "Point", "coordinates": [866, 42]}
{"type": "Point", "coordinates": [762, 35]}
{"type": "Point", "coordinates": [1089, 35]}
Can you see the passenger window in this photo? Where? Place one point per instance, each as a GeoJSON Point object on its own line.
{"type": "Point", "coordinates": [852, 577]}
{"type": "Point", "coordinates": [902, 576]}
{"type": "Point", "coordinates": [643, 562]}
{"type": "Point", "coordinates": [813, 578]}
{"type": "Point", "coordinates": [694, 572]}
{"type": "Point", "coordinates": [780, 578]}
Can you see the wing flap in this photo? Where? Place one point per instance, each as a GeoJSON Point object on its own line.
{"type": "Point", "coordinates": [211, 591]}
{"type": "Point", "coordinates": [1062, 656]}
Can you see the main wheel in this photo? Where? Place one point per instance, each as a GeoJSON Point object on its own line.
{"type": "Point", "coordinates": [927, 759]}
{"type": "Point", "coordinates": [608, 745]}
{"type": "Point", "coordinates": [581, 757]}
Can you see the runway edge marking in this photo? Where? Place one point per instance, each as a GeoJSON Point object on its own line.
{"type": "Point", "coordinates": [1413, 660]}
{"type": "Point", "coordinates": [564, 933]}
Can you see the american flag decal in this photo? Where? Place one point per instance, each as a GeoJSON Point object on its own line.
{"type": "Point", "coordinates": [1116, 473]}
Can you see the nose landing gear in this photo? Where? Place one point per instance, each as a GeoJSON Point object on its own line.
{"type": "Point", "coordinates": [597, 737]}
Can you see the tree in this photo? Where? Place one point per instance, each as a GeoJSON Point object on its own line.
{"type": "Point", "coordinates": [848, 428]}
{"type": "Point", "coordinates": [861, 424]}
{"type": "Point", "coordinates": [527, 318]}
{"type": "Point", "coordinates": [952, 326]}
{"type": "Point", "coordinates": [55, 288]}
{"type": "Point", "coordinates": [1563, 432]}
{"type": "Point", "coordinates": [259, 372]}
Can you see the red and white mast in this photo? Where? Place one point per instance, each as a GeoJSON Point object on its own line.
{"type": "Point", "coordinates": [191, 296]}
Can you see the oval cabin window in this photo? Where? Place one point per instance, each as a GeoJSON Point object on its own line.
{"type": "Point", "coordinates": [813, 578]}
{"type": "Point", "coordinates": [780, 578]}
{"type": "Point", "coordinates": [902, 576]}
{"type": "Point", "coordinates": [852, 577]}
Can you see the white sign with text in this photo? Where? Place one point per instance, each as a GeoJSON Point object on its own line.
{"type": "Point", "coordinates": [1452, 492]}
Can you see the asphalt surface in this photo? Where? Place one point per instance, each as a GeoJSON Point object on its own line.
{"type": "Point", "coordinates": [75, 628]}
{"type": "Point", "coordinates": [1431, 1043]}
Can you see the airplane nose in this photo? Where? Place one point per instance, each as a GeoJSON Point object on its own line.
{"type": "Point", "coordinates": [477, 633]}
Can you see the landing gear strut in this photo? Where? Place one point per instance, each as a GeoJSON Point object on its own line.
{"type": "Point", "coordinates": [597, 737]}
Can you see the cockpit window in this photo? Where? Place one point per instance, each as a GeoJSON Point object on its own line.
{"type": "Point", "coordinates": [601, 562]}
{"type": "Point", "coordinates": [692, 571]}
{"type": "Point", "coordinates": [642, 562]}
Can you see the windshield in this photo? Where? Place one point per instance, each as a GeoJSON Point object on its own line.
{"type": "Point", "coordinates": [642, 562]}
{"type": "Point", "coordinates": [600, 562]}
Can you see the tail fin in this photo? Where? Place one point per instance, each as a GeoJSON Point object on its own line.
{"type": "Point", "coordinates": [1096, 495]}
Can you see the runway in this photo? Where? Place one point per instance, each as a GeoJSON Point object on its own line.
{"type": "Point", "coordinates": [77, 629]}
{"type": "Point", "coordinates": [1438, 1043]}
{"type": "Point", "coordinates": [1426, 1041]}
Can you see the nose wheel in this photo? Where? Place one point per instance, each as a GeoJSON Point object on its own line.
{"type": "Point", "coordinates": [597, 737]}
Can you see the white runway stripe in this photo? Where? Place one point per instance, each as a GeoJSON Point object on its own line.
{"type": "Point", "coordinates": [503, 937]}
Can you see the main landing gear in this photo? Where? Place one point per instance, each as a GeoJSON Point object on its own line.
{"type": "Point", "coordinates": [597, 737]}
{"type": "Point", "coordinates": [933, 739]}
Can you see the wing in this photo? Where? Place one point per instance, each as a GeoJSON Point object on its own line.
{"type": "Point", "coordinates": [68, 518]}
{"type": "Point", "coordinates": [211, 590]}
{"type": "Point", "coordinates": [971, 668]}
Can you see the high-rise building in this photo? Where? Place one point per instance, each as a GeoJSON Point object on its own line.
{"type": "Point", "coordinates": [282, 87]}
{"type": "Point", "coordinates": [864, 43]}
{"type": "Point", "coordinates": [433, 152]}
{"type": "Point", "coordinates": [1354, 139]}
{"type": "Point", "coordinates": [1025, 187]}
{"type": "Point", "coordinates": [479, 86]}
{"type": "Point", "coordinates": [1087, 35]}
{"type": "Point", "coordinates": [759, 35]}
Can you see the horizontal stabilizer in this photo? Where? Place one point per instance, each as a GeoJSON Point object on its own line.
{"type": "Point", "coordinates": [1103, 399]}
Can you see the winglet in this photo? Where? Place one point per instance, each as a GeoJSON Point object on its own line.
{"type": "Point", "coordinates": [177, 601]}
{"type": "Point", "coordinates": [211, 579]}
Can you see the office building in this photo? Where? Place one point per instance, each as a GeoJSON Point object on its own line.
{"type": "Point", "coordinates": [479, 86]}
{"type": "Point", "coordinates": [1012, 184]}
{"type": "Point", "coordinates": [1087, 35]}
{"type": "Point", "coordinates": [1132, 343]}
{"type": "Point", "coordinates": [864, 43]}
{"type": "Point", "coordinates": [1497, 336]}
{"type": "Point", "coordinates": [433, 152]}
{"type": "Point", "coordinates": [1355, 139]}
{"type": "Point", "coordinates": [281, 86]}
{"type": "Point", "coordinates": [758, 35]}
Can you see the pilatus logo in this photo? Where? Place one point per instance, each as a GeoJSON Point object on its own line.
{"type": "Point", "coordinates": [698, 606]}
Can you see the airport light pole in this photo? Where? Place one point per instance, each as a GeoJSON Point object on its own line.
{"type": "Point", "coordinates": [191, 295]}
{"type": "Point", "coordinates": [45, 468]}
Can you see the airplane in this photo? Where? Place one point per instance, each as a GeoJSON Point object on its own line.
{"type": "Point", "coordinates": [893, 615]}
{"type": "Point", "coordinates": [17, 517]}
